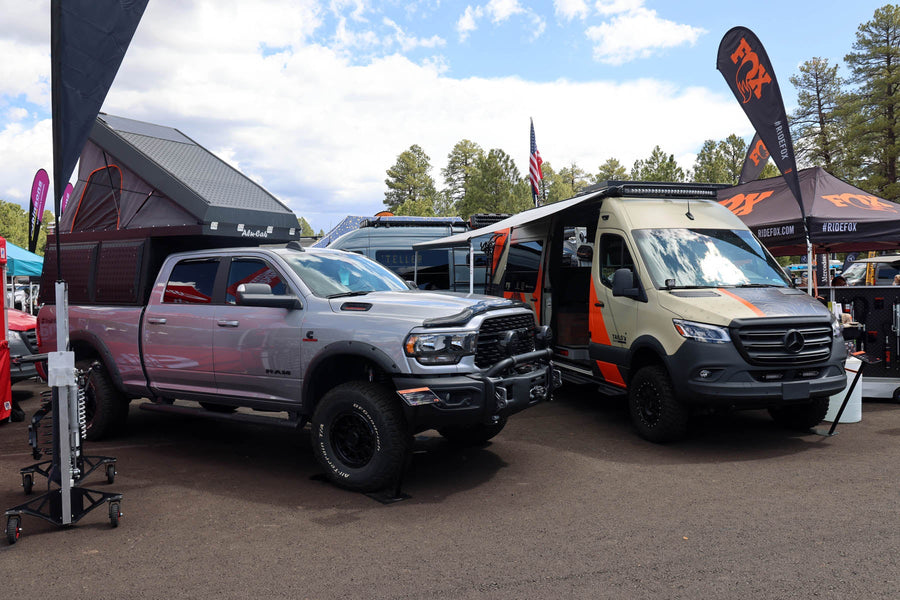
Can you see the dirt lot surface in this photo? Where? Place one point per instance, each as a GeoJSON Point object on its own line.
{"type": "Point", "coordinates": [566, 503]}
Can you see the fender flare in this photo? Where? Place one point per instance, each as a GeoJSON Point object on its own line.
{"type": "Point", "coordinates": [346, 347]}
{"type": "Point", "coordinates": [94, 341]}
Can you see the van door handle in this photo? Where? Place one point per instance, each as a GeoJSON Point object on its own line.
{"type": "Point", "coordinates": [156, 320]}
{"type": "Point", "coordinates": [228, 323]}
{"type": "Point", "coordinates": [599, 304]}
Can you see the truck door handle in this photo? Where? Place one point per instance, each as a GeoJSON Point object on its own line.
{"type": "Point", "coordinates": [599, 304]}
{"type": "Point", "coordinates": [228, 323]}
{"type": "Point", "coordinates": [156, 320]}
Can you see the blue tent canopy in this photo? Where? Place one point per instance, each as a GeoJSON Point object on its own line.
{"type": "Point", "coordinates": [21, 262]}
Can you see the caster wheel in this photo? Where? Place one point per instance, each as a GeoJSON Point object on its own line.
{"type": "Point", "coordinates": [110, 473]}
{"type": "Point", "coordinates": [13, 528]}
{"type": "Point", "coordinates": [114, 514]}
{"type": "Point", "coordinates": [27, 482]}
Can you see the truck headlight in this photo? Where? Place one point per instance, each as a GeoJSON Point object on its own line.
{"type": "Point", "coordinates": [440, 348]}
{"type": "Point", "coordinates": [702, 332]}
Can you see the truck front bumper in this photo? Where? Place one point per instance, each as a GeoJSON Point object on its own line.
{"type": "Point", "coordinates": [510, 386]}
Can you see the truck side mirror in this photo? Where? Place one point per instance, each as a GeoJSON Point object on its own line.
{"type": "Point", "coordinates": [623, 284]}
{"type": "Point", "coordinates": [411, 284]}
{"type": "Point", "coordinates": [260, 294]}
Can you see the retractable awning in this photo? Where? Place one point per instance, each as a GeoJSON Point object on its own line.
{"type": "Point", "coordinates": [516, 221]}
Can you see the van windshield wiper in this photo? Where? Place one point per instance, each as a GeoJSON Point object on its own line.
{"type": "Point", "coordinates": [756, 285]}
{"type": "Point", "coordinates": [347, 294]}
{"type": "Point", "coordinates": [690, 287]}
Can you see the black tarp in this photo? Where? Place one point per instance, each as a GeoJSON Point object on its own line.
{"type": "Point", "coordinates": [842, 217]}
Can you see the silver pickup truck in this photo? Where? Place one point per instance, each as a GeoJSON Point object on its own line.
{"type": "Point", "coordinates": [328, 337]}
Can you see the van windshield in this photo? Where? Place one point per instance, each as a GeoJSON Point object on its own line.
{"type": "Point", "coordinates": [690, 258]}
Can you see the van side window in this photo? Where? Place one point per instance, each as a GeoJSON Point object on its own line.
{"type": "Point", "coordinates": [191, 282]}
{"type": "Point", "coordinates": [522, 266]}
{"type": "Point", "coordinates": [613, 255]}
{"type": "Point", "coordinates": [252, 270]}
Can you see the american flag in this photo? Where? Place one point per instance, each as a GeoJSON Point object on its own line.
{"type": "Point", "coordinates": [534, 170]}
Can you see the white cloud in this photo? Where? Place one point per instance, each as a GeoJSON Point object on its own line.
{"type": "Point", "coordinates": [501, 10]}
{"type": "Point", "coordinates": [638, 33]}
{"type": "Point", "coordinates": [614, 7]}
{"type": "Point", "coordinates": [571, 9]}
{"type": "Point", "coordinates": [468, 22]}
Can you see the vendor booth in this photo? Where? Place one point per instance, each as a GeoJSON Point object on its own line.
{"type": "Point", "coordinates": [841, 218]}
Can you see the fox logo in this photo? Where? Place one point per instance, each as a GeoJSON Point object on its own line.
{"type": "Point", "coordinates": [759, 154]}
{"type": "Point", "coordinates": [750, 76]}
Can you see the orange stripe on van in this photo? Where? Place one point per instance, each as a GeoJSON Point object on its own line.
{"type": "Point", "coordinates": [611, 373]}
{"type": "Point", "coordinates": [749, 305]}
{"type": "Point", "coordinates": [599, 335]}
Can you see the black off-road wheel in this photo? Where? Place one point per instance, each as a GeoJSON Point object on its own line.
{"type": "Point", "coordinates": [801, 417]}
{"type": "Point", "coordinates": [359, 436]}
{"type": "Point", "coordinates": [656, 412]}
{"type": "Point", "coordinates": [473, 435]}
{"type": "Point", "coordinates": [105, 409]}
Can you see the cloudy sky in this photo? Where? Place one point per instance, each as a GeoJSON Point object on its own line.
{"type": "Point", "coordinates": [316, 99]}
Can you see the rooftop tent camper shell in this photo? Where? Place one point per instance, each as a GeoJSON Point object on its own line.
{"type": "Point", "coordinates": [143, 192]}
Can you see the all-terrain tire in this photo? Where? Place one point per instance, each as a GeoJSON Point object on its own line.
{"type": "Point", "coordinates": [360, 437]}
{"type": "Point", "coordinates": [801, 417]}
{"type": "Point", "coordinates": [656, 412]}
{"type": "Point", "coordinates": [106, 410]}
{"type": "Point", "coordinates": [472, 435]}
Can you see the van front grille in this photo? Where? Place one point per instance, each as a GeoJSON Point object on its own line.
{"type": "Point", "coordinates": [785, 345]}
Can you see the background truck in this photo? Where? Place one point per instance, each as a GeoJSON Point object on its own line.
{"type": "Point", "coordinates": [656, 291]}
{"type": "Point", "coordinates": [326, 336]}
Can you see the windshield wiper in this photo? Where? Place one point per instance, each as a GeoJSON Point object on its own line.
{"type": "Point", "coordinates": [347, 294]}
{"type": "Point", "coordinates": [690, 287]}
{"type": "Point", "coordinates": [755, 285]}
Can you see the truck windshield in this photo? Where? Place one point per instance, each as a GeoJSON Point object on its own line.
{"type": "Point", "coordinates": [333, 274]}
{"type": "Point", "coordinates": [689, 258]}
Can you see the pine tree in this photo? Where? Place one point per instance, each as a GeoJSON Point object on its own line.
{"type": "Point", "coordinates": [409, 183]}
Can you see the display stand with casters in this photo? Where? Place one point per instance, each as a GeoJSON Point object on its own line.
{"type": "Point", "coordinates": [66, 504]}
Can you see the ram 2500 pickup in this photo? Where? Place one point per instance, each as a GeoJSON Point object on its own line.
{"type": "Point", "coordinates": [329, 337]}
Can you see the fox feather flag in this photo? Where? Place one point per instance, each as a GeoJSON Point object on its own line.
{"type": "Point", "coordinates": [746, 67]}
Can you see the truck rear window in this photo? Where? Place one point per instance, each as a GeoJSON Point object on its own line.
{"type": "Point", "coordinates": [191, 282]}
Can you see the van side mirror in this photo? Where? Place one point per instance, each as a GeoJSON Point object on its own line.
{"type": "Point", "coordinates": [260, 294]}
{"type": "Point", "coordinates": [623, 284]}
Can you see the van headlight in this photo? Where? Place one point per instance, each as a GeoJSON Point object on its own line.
{"type": "Point", "coordinates": [702, 332]}
{"type": "Point", "coordinates": [440, 348]}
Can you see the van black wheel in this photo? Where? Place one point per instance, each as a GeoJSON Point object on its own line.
{"type": "Point", "coordinates": [359, 436]}
{"type": "Point", "coordinates": [801, 417]}
{"type": "Point", "coordinates": [656, 413]}
{"type": "Point", "coordinates": [472, 435]}
{"type": "Point", "coordinates": [105, 409]}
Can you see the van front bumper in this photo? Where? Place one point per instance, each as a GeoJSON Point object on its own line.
{"type": "Point", "coordinates": [717, 375]}
{"type": "Point", "coordinates": [510, 386]}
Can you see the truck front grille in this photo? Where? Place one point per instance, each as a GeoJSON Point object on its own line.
{"type": "Point", "coordinates": [785, 345]}
{"type": "Point", "coordinates": [493, 330]}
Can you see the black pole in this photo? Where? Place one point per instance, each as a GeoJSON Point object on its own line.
{"type": "Point", "coordinates": [56, 97]}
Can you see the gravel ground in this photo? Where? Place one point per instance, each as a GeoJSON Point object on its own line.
{"type": "Point", "coordinates": [566, 503]}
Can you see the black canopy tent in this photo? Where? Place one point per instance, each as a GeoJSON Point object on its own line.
{"type": "Point", "coordinates": [841, 217]}
{"type": "Point", "coordinates": [143, 192]}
